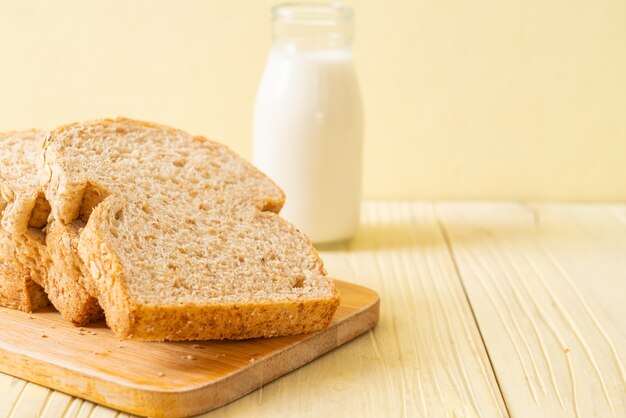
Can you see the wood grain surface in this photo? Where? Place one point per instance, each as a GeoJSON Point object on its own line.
{"type": "Point", "coordinates": [548, 287]}
{"type": "Point", "coordinates": [165, 379]}
{"type": "Point", "coordinates": [533, 295]}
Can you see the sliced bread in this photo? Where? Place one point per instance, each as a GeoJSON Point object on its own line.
{"type": "Point", "coordinates": [18, 275]}
{"type": "Point", "coordinates": [65, 282]}
{"type": "Point", "coordinates": [183, 240]}
{"type": "Point", "coordinates": [22, 201]}
{"type": "Point", "coordinates": [17, 288]}
{"type": "Point", "coordinates": [24, 219]}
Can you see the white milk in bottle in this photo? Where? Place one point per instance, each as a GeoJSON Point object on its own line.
{"type": "Point", "coordinates": [308, 120]}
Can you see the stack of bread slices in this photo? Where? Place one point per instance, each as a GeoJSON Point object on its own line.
{"type": "Point", "coordinates": [169, 236]}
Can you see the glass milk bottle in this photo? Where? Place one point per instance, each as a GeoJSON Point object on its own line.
{"type": "Point", "coordinates": [308, 123]}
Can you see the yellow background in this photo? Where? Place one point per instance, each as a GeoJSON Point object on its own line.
{"type": "Point", "coordinates": [463, 99]}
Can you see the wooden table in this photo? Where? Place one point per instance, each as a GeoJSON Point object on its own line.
{"type": "Point", "coordinates": [488, 309]}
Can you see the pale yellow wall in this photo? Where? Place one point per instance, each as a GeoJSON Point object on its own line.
{"type": "Point", "coordinates": [490, 99]}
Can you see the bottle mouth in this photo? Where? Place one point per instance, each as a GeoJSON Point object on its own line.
{"type": "Point", "coordinates": [315, 14]}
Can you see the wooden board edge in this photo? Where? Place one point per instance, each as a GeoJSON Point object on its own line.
{"type": "Point", "coordinates": [185, 403]}
{"type": "Point", "coordinates": [295, 357]}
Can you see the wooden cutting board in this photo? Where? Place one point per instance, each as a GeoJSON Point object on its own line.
{"type": "Point", "coordinates": [165, 379]}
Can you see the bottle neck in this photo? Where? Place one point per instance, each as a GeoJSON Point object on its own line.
{"type": "Point", "coordinates": [312, 27]}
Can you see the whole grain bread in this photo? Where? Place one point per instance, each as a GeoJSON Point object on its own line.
{"type": "Point", "coordinates": [23, 220]}
{"type": "Point", "coordinates": [183, 240]}
{"type": "Point", "coordinates": [20, 198]}
{"type": "Point", "coordinates": [65, 282]}
{"type": "Point", "coordinates": [17, 288]}
{"type": "Point", "coordinates": [22, 201]}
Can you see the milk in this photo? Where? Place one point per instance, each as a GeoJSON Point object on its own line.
{"type": "Point", "coordinates": [308, 138]}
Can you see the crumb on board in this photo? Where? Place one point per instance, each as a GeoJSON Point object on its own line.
{"type": "Point", "coordinates": [566, 350]}
{"type": "Point", "coordinates": [218, 355]}
{"type": "Point", "coordinates": [120, 345]}
{"type": "Point", "coordinates": [198, 346]}
{"type": "Point", "coordinates": [31, 317]}
{"type": "Point", "coordinates": [188, 357]}
{"type": "Point", "coordinates": [161, 374]}
{"type": "Point", "coordinates": [43, 335]}
{"type": "Point", "coordinates": [252, 360]}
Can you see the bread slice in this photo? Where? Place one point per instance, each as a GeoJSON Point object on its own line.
{"type": "Point", "coordinates": [65, 280]}
{"type": "Point", "coordinates": [17, 289]}
{"type": "Point", "coordinates": [18, 272]}
{"type": "Point", "coordinates": [183, 240]}
{"type": "Point", "coordinates": [22, 201]}
{"type": "Point", "coordinates": [24, 218]}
